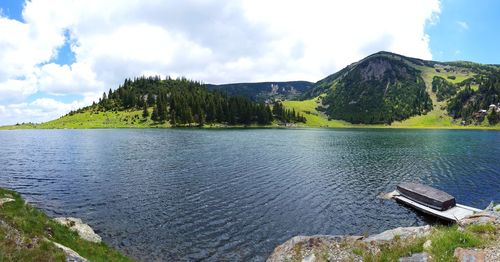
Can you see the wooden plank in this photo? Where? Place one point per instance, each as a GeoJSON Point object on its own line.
{"type": "Point", "coordinates": [453, 214]}
{"type": "Point", "coordinates": [426, 195]}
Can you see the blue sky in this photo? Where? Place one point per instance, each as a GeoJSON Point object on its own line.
{"type": "Point", "coordinates": [60, 55]}
{"type": "Point", "coordinates": [467, 30]}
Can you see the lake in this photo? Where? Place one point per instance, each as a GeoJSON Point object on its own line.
{"type": "Point", "coordinates": [211, 195]}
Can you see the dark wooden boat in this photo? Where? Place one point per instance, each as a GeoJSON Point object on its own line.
{"type": "Point", "coordinates": [427, 196]}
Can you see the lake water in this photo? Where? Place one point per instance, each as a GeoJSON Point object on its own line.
{"type": "Point", "coordinates": [214, 195]}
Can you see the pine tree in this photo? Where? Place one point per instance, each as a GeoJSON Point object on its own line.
{"type": "Point", "coordinates": [155, 116]}
{"type": "Point", "coordinates": [145, 112]}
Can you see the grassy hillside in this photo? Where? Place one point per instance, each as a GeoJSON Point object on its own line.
{"type": "Point", "coordinates": [27, 234]}
{"type": "Point", "coordinates": [381, 90]}
{"type": "Point", "coordinates": [394, 90]}
{"type": "Point", "coordinates": [90, 119]}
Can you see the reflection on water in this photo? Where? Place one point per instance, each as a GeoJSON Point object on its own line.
{"type": "Point", "coordinates": [236, 194]}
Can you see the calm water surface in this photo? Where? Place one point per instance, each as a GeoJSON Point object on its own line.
{"type": "Point", "coordinates": [214, 195]}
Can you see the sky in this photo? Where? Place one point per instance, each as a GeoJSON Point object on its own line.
{"type": "Point", "coordinates": [60, 55]}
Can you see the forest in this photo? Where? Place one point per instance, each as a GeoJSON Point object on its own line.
{"type": "Point", "coordinates": [366, 95]}
{"type": "Point", "coordinates": [468, 102]}
{"type": "Point", "coordinates": [183, 102]}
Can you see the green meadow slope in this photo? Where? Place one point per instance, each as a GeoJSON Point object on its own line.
{"type": "Point", "coordinates": [383, 90]}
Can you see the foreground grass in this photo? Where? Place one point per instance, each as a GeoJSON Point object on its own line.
{"type": "Point", "coordinates": [23, 230]}
{"type": "Point", "coordinates": [444, 241]}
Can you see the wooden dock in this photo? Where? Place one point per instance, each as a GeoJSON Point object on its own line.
{"type": "Point", "coordinates": [453, 214]}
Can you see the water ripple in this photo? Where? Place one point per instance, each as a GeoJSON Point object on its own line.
{"type": "Point", "coordinates": [233, 195]}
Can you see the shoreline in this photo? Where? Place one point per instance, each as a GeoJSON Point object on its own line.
{"type": "Point", "coordinates": [27, 233]}
{"type": "Point", "coordinates": [474, 238]}
{"type": "Point", "coordinates": [34, 127]}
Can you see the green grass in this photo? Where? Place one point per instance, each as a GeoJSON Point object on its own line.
{"type": "Point", "coordinates": [482, 228]}
{"type": "Point", "coordinates": [33, 226]}
{"type": "Point", "coordinates": [446, 239]}
{"type": "Point", "coordinates": [314, 118]}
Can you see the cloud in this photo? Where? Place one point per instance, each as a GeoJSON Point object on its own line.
{"type": "Point", "coordinates": [463, 25]}
{"type": "Point", "coordinates": [212, 41]}
{"type": "Point", "coordinates": [40, 110]}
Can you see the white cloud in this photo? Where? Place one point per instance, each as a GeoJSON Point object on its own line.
{"type": "Point", "coordinates": [40, 110]}
{"type": "Point", "coordinates": [463, 25]}
{"type": "Point", "coordinates": [212, 41]}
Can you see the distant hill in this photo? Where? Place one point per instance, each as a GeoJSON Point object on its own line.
{"type": "Point", "coordinates": [383, 89]}
{"type": "Point", "coordinates": [265, 90]}
{"type": "Point", "coordinates": [387, 87]}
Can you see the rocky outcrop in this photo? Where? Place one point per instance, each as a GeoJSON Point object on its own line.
{"type": "Point", "coordinates": [314, 248]}
{"type": "Point", "coordinates": [400, 232]}
{"type": "Point", "coordinates": [71, 255]}
{"type": "Point", "coordinates": [6, 200]}
{"type": "Point", "coordinates": [469, 255]}
{"type": "Point", "coordinates": [342, 248]}
{"type": "Point", "coordinates": [418, 257]}
{"type": "Point", "coordinates": [83, 230]}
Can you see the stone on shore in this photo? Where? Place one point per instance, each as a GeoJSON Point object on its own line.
{"type": "Point", "coordinates": [83, 230]}
{"type": "Point", "coordinates": [316, 248]}
{"type": "Point", "coordinates": [400, 232]}
{"type": "Point", "coordinates": [6, 200]}
{"type": "Point", "coordinates": [418, 257]}
{"type": "Point", "coordinates": [71, 255]}
{"type": "Point", "coordinates": [469, 255]}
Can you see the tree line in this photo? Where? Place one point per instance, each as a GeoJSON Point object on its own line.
{"type": "Point", "coordinates": [468, 101]}
{"type": "Point", "coordinates": [183, 102]}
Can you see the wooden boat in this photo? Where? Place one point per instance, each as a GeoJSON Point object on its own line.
{"type": "Point", "coordinates": [426, 195]}
{"type": "Point", "coordinates": [432, 201]}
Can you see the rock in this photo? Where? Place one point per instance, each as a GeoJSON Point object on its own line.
{"type": "Point", "coordinates": [469, 255]}
{"type": "Point", "coordinates": [6, 200]}
{"type": "Point", "coordinates": [401, 232]}
{"type": "Point", "coordinates": [310, 258]}
{"type": "Point", "coordinates": [390, 195]}
{"type": "Point", "coordinates": [479, 219]}
{"type": "Point", "coordinates": [316, 248]}
{"type": "Point", "coordinates": [83, 230]}
{"type": "Point", "coordinates": [427, 245]}
{"type": "Point", "coordinates": [418, 257]}
{"type": "Point", "coordinates": [490, 206]}
{"type": "Point", "coordinates": [71, 255]}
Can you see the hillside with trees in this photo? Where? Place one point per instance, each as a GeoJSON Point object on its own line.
{"type": "Point", "coordinates": [378, 90]}
{"type": "Point", "coordinates": [182, 102]}
{"type": "Point", "coordinates": [386, 88]}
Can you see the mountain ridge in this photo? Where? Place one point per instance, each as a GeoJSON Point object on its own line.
{"type": "Point", "coordinates": [384, 89]}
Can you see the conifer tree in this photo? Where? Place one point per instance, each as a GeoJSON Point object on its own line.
{"type": "Point", "coordinates": [145, 112]}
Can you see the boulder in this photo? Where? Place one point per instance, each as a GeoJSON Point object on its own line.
{"type": "Point", "coordinates": [418, 257]}
{"type": "Point", "coordinates": [83, 230]}
{"type": "Point", "coordinates": [309, 248]}
{"type": "Point", "coordinates": [6, 200]}
{"type": "Point", "coordinates": [480, 219]}
{"type": "Point", "coordinates": [401, 232]}
{"type": "Point", "coordinates": [469, 255]}
{"type": "Point", "coordinates": [71, 255]}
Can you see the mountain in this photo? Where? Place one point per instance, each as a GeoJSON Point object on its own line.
{"type": "Point", "coordinates": [265, 90]}
{"type": "Point", "coordinates": [382, 89]}
{"type": "Point", "coordinates": [387, 87]}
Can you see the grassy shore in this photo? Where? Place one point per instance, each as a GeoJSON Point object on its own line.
{"type": "Point", "coordinates": [436, 119]}
{"type": "Point", "coordinates": [26, 234]}
{"type": "Point", "coordinates": [444, 239]}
